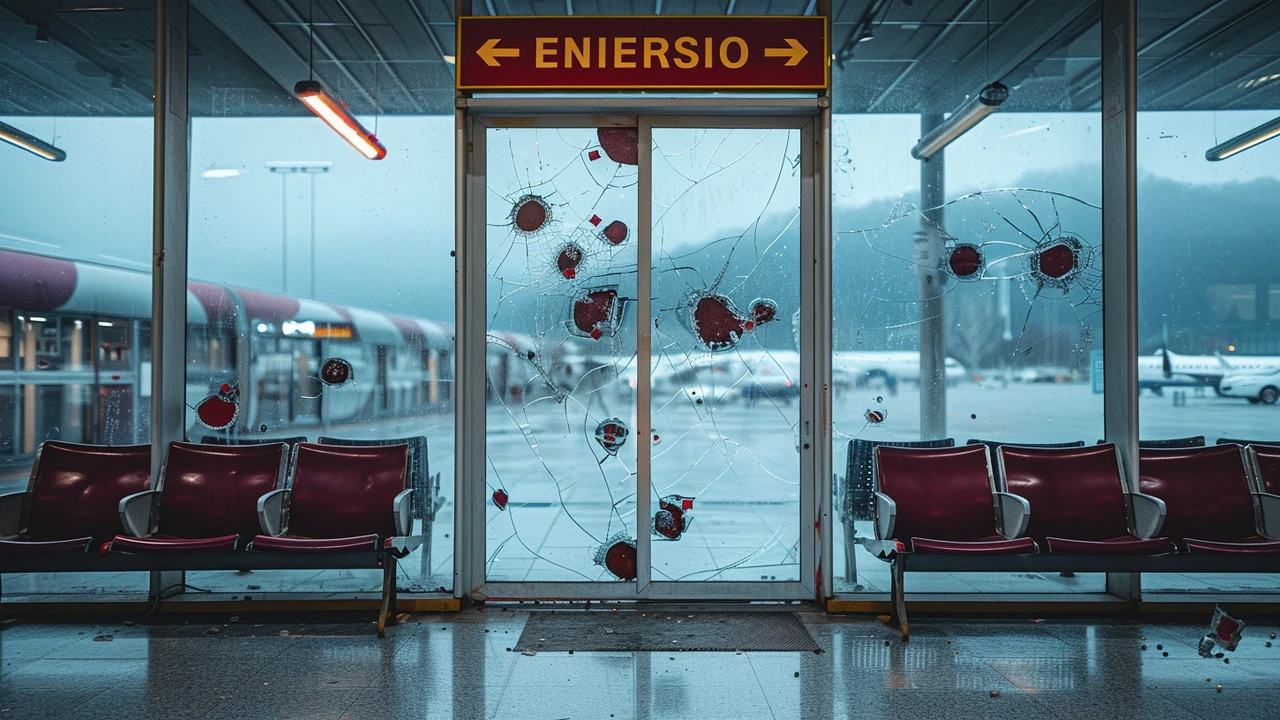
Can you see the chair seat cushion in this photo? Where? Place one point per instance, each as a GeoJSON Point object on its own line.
{"type": "Point", "coordinates": [1247, 546]}
{"type": "Point", "coordinates": [36, 547]}
{"type": "Point", "coordinates": [168, 543]}
{"type": "Point", "coordinates": [994, 545]}
{"type": "Point", "coordinates": [1126, 545]}
{"type": "Point", "coordinates": [300, 544]}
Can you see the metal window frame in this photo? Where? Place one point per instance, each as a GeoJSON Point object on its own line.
{"type": "Point", "coordinates": [473, 118]}
{"type": "Point", "coordinates": [171, 178]}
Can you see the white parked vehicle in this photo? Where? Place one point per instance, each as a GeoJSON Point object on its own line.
{"type": "Point", "coordinates": [1260, 388]}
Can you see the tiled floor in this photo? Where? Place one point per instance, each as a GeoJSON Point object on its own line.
{"type": "Point", "coordinates": [459, 665]}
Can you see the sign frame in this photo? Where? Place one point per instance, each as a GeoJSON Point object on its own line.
{"type": "Point", "coordinates": [695, 87]}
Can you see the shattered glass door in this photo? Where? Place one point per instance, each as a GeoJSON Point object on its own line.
{"type": "Point", "coordinates": [596, 471]}
{"type": "Point", "coordinates": [561, 354]}
{"type": "Point", "coordinates": [725, 380]}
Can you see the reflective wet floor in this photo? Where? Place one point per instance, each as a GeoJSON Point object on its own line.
{"type": "Point", "coordinates": [459, 665]}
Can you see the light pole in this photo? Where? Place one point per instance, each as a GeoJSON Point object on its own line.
{"type": "Point", "coordinates": [283, 168]}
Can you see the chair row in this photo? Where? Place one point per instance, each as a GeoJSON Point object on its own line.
{"type": "Point", "coordinates": [1197, 509]}
{"type": "Point", "coordinates": [214, 507]}
{"type": "Point", "coordinates": [856, 501]}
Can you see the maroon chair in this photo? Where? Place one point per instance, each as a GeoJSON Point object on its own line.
{"type": "Point", "coordinates": [72, 498]}
{"type": "Point", "coordinates": [1209, 499]}
{"type": "Point", "coordinates": [1079, 505]}
{"type": "Point", "coordinates": [1265, 460]}
{"type": "Point", "coordinates": [339, 499]}
{"type": "Point", "coordinates": [943, 501]}
{"type": "Point", "coordinates": [207, 499]}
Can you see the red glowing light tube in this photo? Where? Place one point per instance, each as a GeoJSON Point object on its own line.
{"type": "Point", "coordinates": [330, 109]}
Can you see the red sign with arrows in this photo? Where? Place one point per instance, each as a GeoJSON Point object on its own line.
{"type": "Point", "coordinates": [652, 52]}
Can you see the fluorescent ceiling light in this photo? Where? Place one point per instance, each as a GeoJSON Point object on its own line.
{"type": "Point", "coordinates": [1244, 141]}
{"type": "Point", "coordinates": [328, 108]}
{"type": "Point", "coordinates": [215, 173]}
{"type": "Point", "coordinates": [961, 121]}
{"type": "Point", "coordinates": [38, 319]}
{"type": "Point", "coordinates": [30, 143]}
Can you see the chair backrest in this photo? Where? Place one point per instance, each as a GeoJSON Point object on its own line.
{"type": "Point", "coordinates": [339, 491]}
{"type": "Point", "coordinates": [75, 490]}
{"type": "Point", "coordinates": [1266, 468]}
{"type": "Point", "coordinates": [1247, 443]}
{"type": "Point", "coordinates": [1192, 441]}
{"type": "Point", "coordinates": [213, 490]}
{"type": "Point", "coordinates": [1075, 493]}
{"type": "Point", "coordinates": [940, 493]}
{"type": "Point", "coordinates": [1205, 490]}
{"type": "Point", "coordinates": [860, 471]}
{"type": "Point", "coordinates": [289, 442]}
{"type": "Point", "coordinates": [994, 445]}
{"type": "Point", "coordinates": [419, 466]}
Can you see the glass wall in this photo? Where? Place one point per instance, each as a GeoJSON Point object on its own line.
{"type": "Point", "coordinates": [75, 245]}
{"type": "Point", "coordinates": [984, 255]}
{"type": "Point", "coordinates": [1209, 324]}
{"type": "Point", "coordinates": [321, 294]}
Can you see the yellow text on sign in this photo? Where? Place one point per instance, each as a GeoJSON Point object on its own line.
{"type": "Point", "coordinates": [646, 52]}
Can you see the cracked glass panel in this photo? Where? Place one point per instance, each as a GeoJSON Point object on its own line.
{"type": "Point", "coordinates": [1208, 298]}
{"type": "Point", "coordinates": [1001, 277]}
{"type": "Point", "coordinates": [561, 338]}
{"type": "Point", "coordinates": [726, 361]}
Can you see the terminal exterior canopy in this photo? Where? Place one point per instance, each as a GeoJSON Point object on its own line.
{"type": "Point", "coordinates": [643, 53]}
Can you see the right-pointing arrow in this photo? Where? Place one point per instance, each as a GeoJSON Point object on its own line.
{"type": "Point", "coordinates": [794, 54]}
{"type": "Point", "coordinates": [489, 52]}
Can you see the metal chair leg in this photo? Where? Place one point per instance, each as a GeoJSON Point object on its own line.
{"type": "Point", "coordinates": [898, 613]}
{"type": "Point", "coordinates": [388, 590]}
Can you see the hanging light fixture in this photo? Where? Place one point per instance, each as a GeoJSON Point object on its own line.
{"type": "Point", "coordinates": [330, 109]}
{"type": "Point", "coordinates": [961, 121]}
{"type": "Point", "coordinates": [1244, 141]}
{"type": "Point", "coordinates": [326, 106]}
{"type": "Point", "coordinates": [30, 143]}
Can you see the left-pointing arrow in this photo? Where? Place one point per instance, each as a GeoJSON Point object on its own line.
{"type": "Point", "coordinates": [794, 54]}
{"type": "Point", "coordinates": [489, 52]}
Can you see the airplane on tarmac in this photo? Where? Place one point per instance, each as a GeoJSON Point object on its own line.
{"type": "Point", "coordinates": [1163, 369]}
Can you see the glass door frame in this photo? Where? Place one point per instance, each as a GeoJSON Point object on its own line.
{"type": "Point", "coordinates": [812, 120]}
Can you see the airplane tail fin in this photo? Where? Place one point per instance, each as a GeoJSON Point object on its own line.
{"type": "Point", "coordinates": [1223, 361]}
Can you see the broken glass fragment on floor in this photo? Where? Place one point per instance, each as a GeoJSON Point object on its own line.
{"type": "Point", "coordinates": [1224, 632]}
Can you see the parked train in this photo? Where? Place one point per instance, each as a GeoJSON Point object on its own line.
{"type": "Point", "coordinates": [75, 357]}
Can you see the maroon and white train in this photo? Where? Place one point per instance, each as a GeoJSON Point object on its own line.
{"type": "Point", "coordinates": [75, 357]}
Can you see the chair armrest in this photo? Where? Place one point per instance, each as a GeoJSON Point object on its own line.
{"type": "Point", "coordinates": [11, 513]}
{"type": "Point", "coordinates": [1270, 506]}
{"type": "Point", "coordinates": [1147, 514]}
{"type": "Point", "coordinates": [886, 516]}
{"type": "Point", "coordinates": [1014, 513]}
{"type": "Point", "coordinates": [271, 509]}
{"type": "Point", "coordinates": [137, 512]}
{"type": "Point", "coordinates": [403, 508]}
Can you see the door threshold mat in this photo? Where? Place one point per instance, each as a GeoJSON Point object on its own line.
{"type": "Point", "coordinates": [597, 631]}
